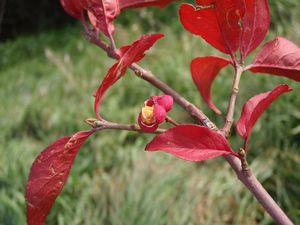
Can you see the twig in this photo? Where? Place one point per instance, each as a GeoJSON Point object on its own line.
{"type": "Point", "coordinates": [246, 177]}
{"type": "Point", "coordinates": [105, 125]}
{"type": "Point", "coordinates": [171, 120]}
{"type": "Point", "coordinates": [196, 113]}
{"type": "Point", "coordinates": [260, 193]}
{"type": "Point", "coordinates": [234, 92]}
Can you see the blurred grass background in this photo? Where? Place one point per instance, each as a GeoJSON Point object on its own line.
{"type": "Point", "coordinates": [46, 82]}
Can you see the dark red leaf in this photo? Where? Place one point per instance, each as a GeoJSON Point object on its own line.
{"type": "Point", "coordinates": [255, 25]}
{"type": "Point", "coordinates": [204, 70]}
{"type": "Point", "coordinates": [102, 13]}
{"type": "Point", "coordinates": [229, 14]}
{"type": "Point", "coordinates": [205, 2]}
{"type": "Point", "coordinates": [218, 25]}
{"type": "Point", "coordinates": [129, 55]}
{"type": "Point", "coordinates": [74, 7]}
{"type": "Point", "coordinates": [191, 142]}
{"type": "Point", "coordinates": [143, 3]}
{"type": "Point", "coordinates": [278, 57]}
{"type": "Point", "coordinates": [254, 108]}
{"type": "Point", "coordinates": [48, 175]}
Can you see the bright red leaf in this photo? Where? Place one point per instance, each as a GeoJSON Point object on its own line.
{"type": "Point", "coordinates": [204, 70]}
{"type": "Point", "coordinates": [191, 142]}
{"type": "Point", "coordinates": [254, 108]}
{"type": "Point", "coordinates": [203, 23]}
{"type": "Point", "coordinates": [218, 25]}
{"type": "Point", "coordinates": [255, 25]}
{"type": "Point", "coordinates": [143, 3]}
{"type": "Point", "coordinates": [278, 57]}
{"type": "Point", "coordinates": [129, 55]}
{"type": "Point", "coordinates": [48, 175]}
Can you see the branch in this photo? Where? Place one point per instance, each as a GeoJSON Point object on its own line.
{"type": "Point", "coordinates": [234, 92]}
{"type": "Point", "coordinates": [260, 193]}
{"type": "Point", "coordinates": [148, 76]}
{"type": "Point", "coordinates": [246, 177]}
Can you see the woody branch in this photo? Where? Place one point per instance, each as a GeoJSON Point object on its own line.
{"type": "Point", "coordinates": [245, 176]}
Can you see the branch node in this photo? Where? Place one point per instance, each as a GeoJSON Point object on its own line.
{"type": "Point", "coordinates": [206, 122]}
{"type": "Point", "coordinates": [235, 90]}
{"type": "Point", "coordinates": [244, 163]}
{"type": "Point", "coordinates": [135, 127]}
{"type": "Point", "coordinates": [91, 122]}
{"type": "Point", "coordinates": [138, 73]}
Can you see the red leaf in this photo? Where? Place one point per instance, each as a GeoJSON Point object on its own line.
{"type": "Point", "coordinates": [254, 108]}
{"type": "Point", "coordinates": [73, 7]}
{"type": "Point", "coordinates": [48, 175]}
{"type": "Point", "coordinates": [205, 2]}
{"type": "Point", "coordinates": [102, 13]}
{"type": "Point", "coordinates": [204, 70]}
{"type": "Point", "coordinates": [278, 57]}
{"type": "Point", "coordinates": [203, 23]}
{"type": "Point", "coordinates": [191, 142]}
{"type": "Point", "coordinates": [129, 55]}
{"type": "Point", "coordinates": [229, 13]}
{"type": "Point", "coordinates": [255, 25]}
{"type": "Point", "coordinates": [218, 25]}
{"type": "Point", "coordinates": [143, 3]}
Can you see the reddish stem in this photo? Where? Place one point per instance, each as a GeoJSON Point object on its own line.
{"type": "Point", "coordinates": [231, 105]}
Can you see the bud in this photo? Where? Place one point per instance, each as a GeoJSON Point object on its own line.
{"type": "Point", "coordinates": [154, 112]}
{"type": "Point", "coordinates": [147, 115]}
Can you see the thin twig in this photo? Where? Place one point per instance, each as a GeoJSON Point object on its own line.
{"type": "Point", "coordinates": [196, 113]}
{"type": "Point", "coordinates": [171, 120]}
{"type": "Point", "coordinates": [105, 125]}
{"type": "Point", "coordinates": [246, 177]}
{"type": "Point", "coordinates": [231, 106]}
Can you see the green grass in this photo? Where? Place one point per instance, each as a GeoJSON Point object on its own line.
{"type": "Point", "coordinates": [46, 86]}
